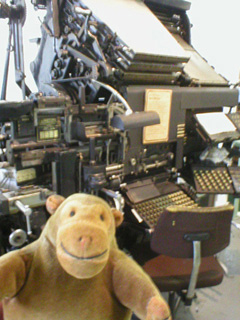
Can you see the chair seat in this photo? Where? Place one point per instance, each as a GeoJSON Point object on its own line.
{"type": "Point", "coordinates": [173, 274]}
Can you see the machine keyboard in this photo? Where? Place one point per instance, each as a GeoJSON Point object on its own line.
{"type": "Point", "coordinates": [213, 180]}
{"type": "Point", "coordinates": [150, 210]}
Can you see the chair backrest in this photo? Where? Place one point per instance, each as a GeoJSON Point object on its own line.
{"type": "Point", "coordinates": [169, 237]}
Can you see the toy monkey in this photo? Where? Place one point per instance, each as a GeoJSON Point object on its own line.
{"type": "Point", "coordinates": [75, 270]}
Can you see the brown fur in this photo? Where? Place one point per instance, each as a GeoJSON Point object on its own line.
{"type": "Point", "coordinates": [75, 270]}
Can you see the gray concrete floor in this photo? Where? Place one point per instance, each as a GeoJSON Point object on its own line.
{"type": "Point", "coordinates": [223, 301]}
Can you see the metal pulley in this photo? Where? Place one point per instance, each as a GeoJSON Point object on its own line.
{"type": "Point", "coordinates": [17, 238]}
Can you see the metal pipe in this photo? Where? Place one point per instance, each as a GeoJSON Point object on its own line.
{"type": "Point", "coordinates": [116, 94]}
{"type": "Point", "coordinates": [6, 67]}
{"type": "Point", "coordinates": [18, 55]}
{"type": "Point", "coordinates": [195, 270]}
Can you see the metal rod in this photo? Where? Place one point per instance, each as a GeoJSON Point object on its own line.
{"type": "Point", "coordinates": [195, 270]}
{"type": "Point", "coordinates": [18, 55]}
{"type": "Point", "coordinates": [6, 68]}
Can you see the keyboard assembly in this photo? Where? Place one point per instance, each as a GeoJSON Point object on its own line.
{"type": "Point", "coordinates": [217, 180]}
{"type": "Point", "coordinates": [146, 200]}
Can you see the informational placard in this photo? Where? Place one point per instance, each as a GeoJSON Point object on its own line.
{"type": "Point", "coordinates": [159, 100]}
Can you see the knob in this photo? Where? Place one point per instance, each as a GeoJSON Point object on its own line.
{"type": "Point", "coordinates": [17, 238]}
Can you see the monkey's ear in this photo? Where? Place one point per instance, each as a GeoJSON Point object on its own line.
{"type": "Point", "coordinates": [53, 202]}
{"type": "Point", "coordinates": [118, 216]}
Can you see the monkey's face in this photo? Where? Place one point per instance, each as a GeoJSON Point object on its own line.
{"type": "Point", "coordinates": [82, 229]}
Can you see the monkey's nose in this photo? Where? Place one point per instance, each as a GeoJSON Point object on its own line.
{"type": "Point", "coordinates": [85, 241]}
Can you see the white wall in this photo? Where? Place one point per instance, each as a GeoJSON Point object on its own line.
{"type": "Point", "coordinates": [215, 34]}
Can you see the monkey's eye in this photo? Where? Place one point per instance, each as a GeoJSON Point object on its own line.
{"type": "Point", "coordinates": [72, 213]}
{"type": "Point", "coordinates": [102, 217]}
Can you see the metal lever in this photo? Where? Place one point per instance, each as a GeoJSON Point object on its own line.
{"type": "Point", "coordinates": [27, 212]}
{"type": "Point", "coordinates": [117, 198]}
{"type": "Point", "coordinates": [85, 12]}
